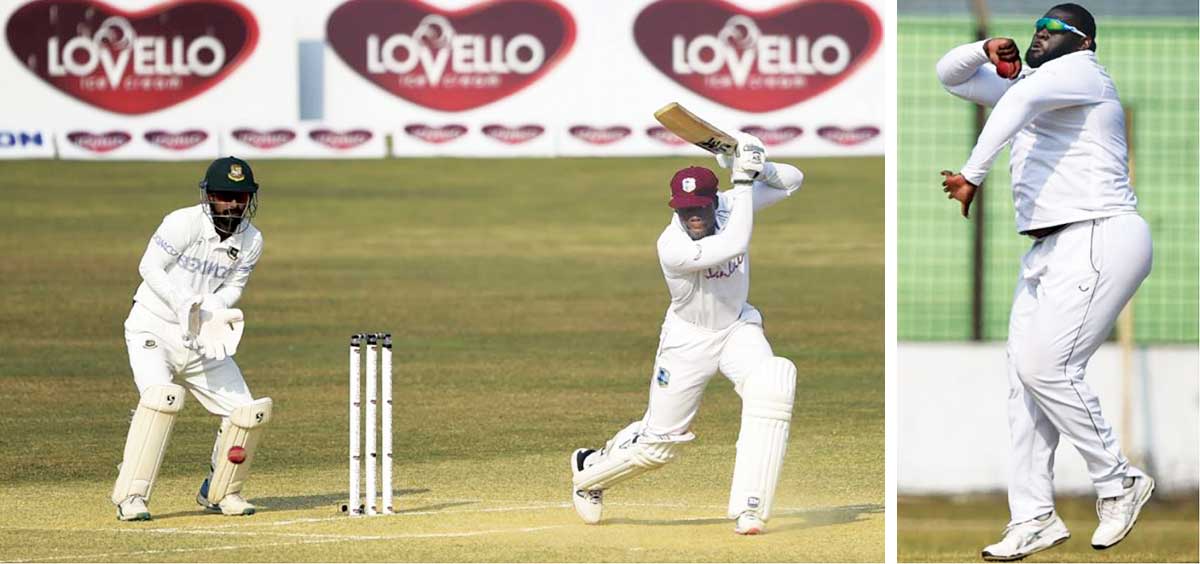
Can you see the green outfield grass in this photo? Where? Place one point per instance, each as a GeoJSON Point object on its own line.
{"type": "Point", "coordinates": [942, 529]}
{"type": "Point", "coordinates": [526, 300]}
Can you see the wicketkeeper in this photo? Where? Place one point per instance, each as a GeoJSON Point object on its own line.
{"type": "Point", "coordinates": [182, 333]}
{"type": "Point", "coordinates": [704, 254]}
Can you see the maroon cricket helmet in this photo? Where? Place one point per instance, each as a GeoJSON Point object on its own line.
{"type": "Point", "coordinates": [693, 187]}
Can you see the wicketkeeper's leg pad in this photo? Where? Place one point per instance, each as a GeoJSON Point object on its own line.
{"type": "Point", "coordinates": [767, 398]}
{"type": "Point", "coordinates": [149, 432]}
{"type": "Point", "coordinates": [627, 455]}
{"type": "Point", "coordinates": [245, 425]}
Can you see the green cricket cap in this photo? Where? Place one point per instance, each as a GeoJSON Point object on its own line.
{"type": "Point", "coordinates": [229, 174]}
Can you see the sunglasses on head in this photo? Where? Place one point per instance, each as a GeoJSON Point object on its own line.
{"type": "Point", "coordinates": [1055, 24]}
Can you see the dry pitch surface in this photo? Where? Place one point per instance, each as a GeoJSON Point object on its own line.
{"type": "Point", "coordinates": [526, 301]}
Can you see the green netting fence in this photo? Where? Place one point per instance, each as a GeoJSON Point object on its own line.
{"type": "Point", "coordinates": [1154, 64]}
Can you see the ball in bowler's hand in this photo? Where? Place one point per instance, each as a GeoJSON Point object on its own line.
{"type": "Point", "coordinates": [1007, 69]}
{"type": "Point", "coordinates": [237, 455]}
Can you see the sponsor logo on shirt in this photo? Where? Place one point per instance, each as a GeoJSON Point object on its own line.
{"type": "Point", "coordinates": [726, 271]}
{"type": "Point", "coordinates": [204, 267]}
{"type": "Point", "coordinates": [663, 378]}
{"type": "Point", "coordinates": [164, 245]}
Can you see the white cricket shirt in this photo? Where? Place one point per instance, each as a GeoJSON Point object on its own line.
{"type": "Point", "coordinates": [186, 257]}
{"type": "Point", "coordinates": [709, 279]}
{"type": "Point", "coordinates": [1069, 161]}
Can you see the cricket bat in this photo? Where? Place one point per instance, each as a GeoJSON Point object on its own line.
{"type": "Point", "coordinates": [694, 130]}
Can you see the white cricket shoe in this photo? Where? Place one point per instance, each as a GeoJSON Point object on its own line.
{"type": "Point", "coordinates": [133, 509]}
{"type": "Point", "coordinates": [589, 504]}
{"type": "Point", "coordinates": [1118, 514]}
{"type": "Point", "coordinates": [235, 504]}
{"type": "Point", "coordinates": [1027, 537]}
{"type": "Point", "coordinates": [748, 523]}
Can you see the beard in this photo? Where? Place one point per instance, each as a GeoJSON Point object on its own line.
{"type": "Point", "coordinates": [1043, 57]}
{"type": "Point", "coordinates": [226, 225]}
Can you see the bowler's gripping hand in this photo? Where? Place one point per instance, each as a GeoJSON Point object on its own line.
{"type": "Point", "coordinates": [958, 188]}
{"type": "Point", "coordinates": [1003, 49]}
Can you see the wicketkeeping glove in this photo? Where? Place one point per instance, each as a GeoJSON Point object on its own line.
{"type": "Point", "coordinates": [220, 333]}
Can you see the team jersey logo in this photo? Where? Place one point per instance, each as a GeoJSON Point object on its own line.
{"type": "Point", "coordinates": [663, 378]}
{"type": "Point", "coordinates": [150, 344]}
{"type": "Point", "coordinates": [232, 252]}
{"type": "Point", "coordinates": [235, 173]}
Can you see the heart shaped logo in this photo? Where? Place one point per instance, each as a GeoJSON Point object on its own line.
{"type": "Point", "coordinates": [340, 140]}
{"type": "Point", "coordinates": [758, 61]}
{"type": "Point", "coordinates": [513, 135]}
{"type": "Point", "coordinates": [847, 137]}
{"type": "Point", "coordinates": [132, 62]}
{"type": "Point", "coordinates": [431, 134]}
{"type": "Point", "coordinates": [600, 135]}
{"type": "Point", "coordinates": [451, 60]}
{"type": "Point", "coordinates": [175, 141]}
{"type": "Point", "coordinates": [773, 136]}
{"type": "Point", "coordinates": [664, 136]}
{"type": "Point", "coordinates": [264, 139]}
{"type": "Point", "coordinates": [99, 142]}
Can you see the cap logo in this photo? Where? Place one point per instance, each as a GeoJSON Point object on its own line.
{"type": "Point", "coordinates": [235, 173]}
{"type": "Point", "coordinates": [689, 185]}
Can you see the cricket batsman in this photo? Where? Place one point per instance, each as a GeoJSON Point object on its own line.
{"type": "Point", "coordinates": [704, 254]}
{"type": "Point", "coordinates": [1091, 250]}
{"type": "Point", "coordinates": [182, 333]}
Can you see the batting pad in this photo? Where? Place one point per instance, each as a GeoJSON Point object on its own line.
{"type": "Point", "coordinates": [767, 398]}
{"type": "Point", "coordinates": [626, 456]}
{"type": "Point", "coordinates": [244, 428]}
{"type": "Point", "coordinates": [147, 440]}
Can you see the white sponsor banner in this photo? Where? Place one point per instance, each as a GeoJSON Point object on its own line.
{"type": "Point", "coordinates": [124, 143]}
{"type": "Point", "coordinates": [807, 78]}
{"type": "Point", "coordinates": [487, 139]}
{"type": "Point", "coordinates": [312, 140]}
{"type": "Point", "coordinates": [26, 143]}
{"type": "Point", "coordinates": [79, 63]}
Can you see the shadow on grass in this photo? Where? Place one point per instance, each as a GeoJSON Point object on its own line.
{"type": "Point", "coordinates": [808, 518]}
{"type": "Point", "coordinates": [335, 501]}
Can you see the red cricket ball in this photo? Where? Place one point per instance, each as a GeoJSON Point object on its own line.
{"type": "Point", "coordinates": [237, 455]}
{"type": "Point", "coordinates": [1007, 69]}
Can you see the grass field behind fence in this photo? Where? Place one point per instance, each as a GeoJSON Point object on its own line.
{"type": "Point", "coordinates": [1154, 65]}
{"type": "Point", "coordinates": [526, 300]}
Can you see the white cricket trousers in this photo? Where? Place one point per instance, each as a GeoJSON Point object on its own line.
{"type": "Point", "coordinates": [1073, 285]}
{"type": "Point", "coordinates": [157, 356]}
{"type": "Point", "coordinates": [688, 357]}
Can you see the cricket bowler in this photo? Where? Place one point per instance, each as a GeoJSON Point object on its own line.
{"type": "Point", "coordinates": [704, 255]}
{"type": "Point", "coordinates": [182, 333]}
{"type": "Point", "coordinates": [1091, 250]}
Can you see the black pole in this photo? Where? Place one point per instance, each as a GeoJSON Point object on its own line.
{"type": "Point", "coordinates": [981, 33]}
